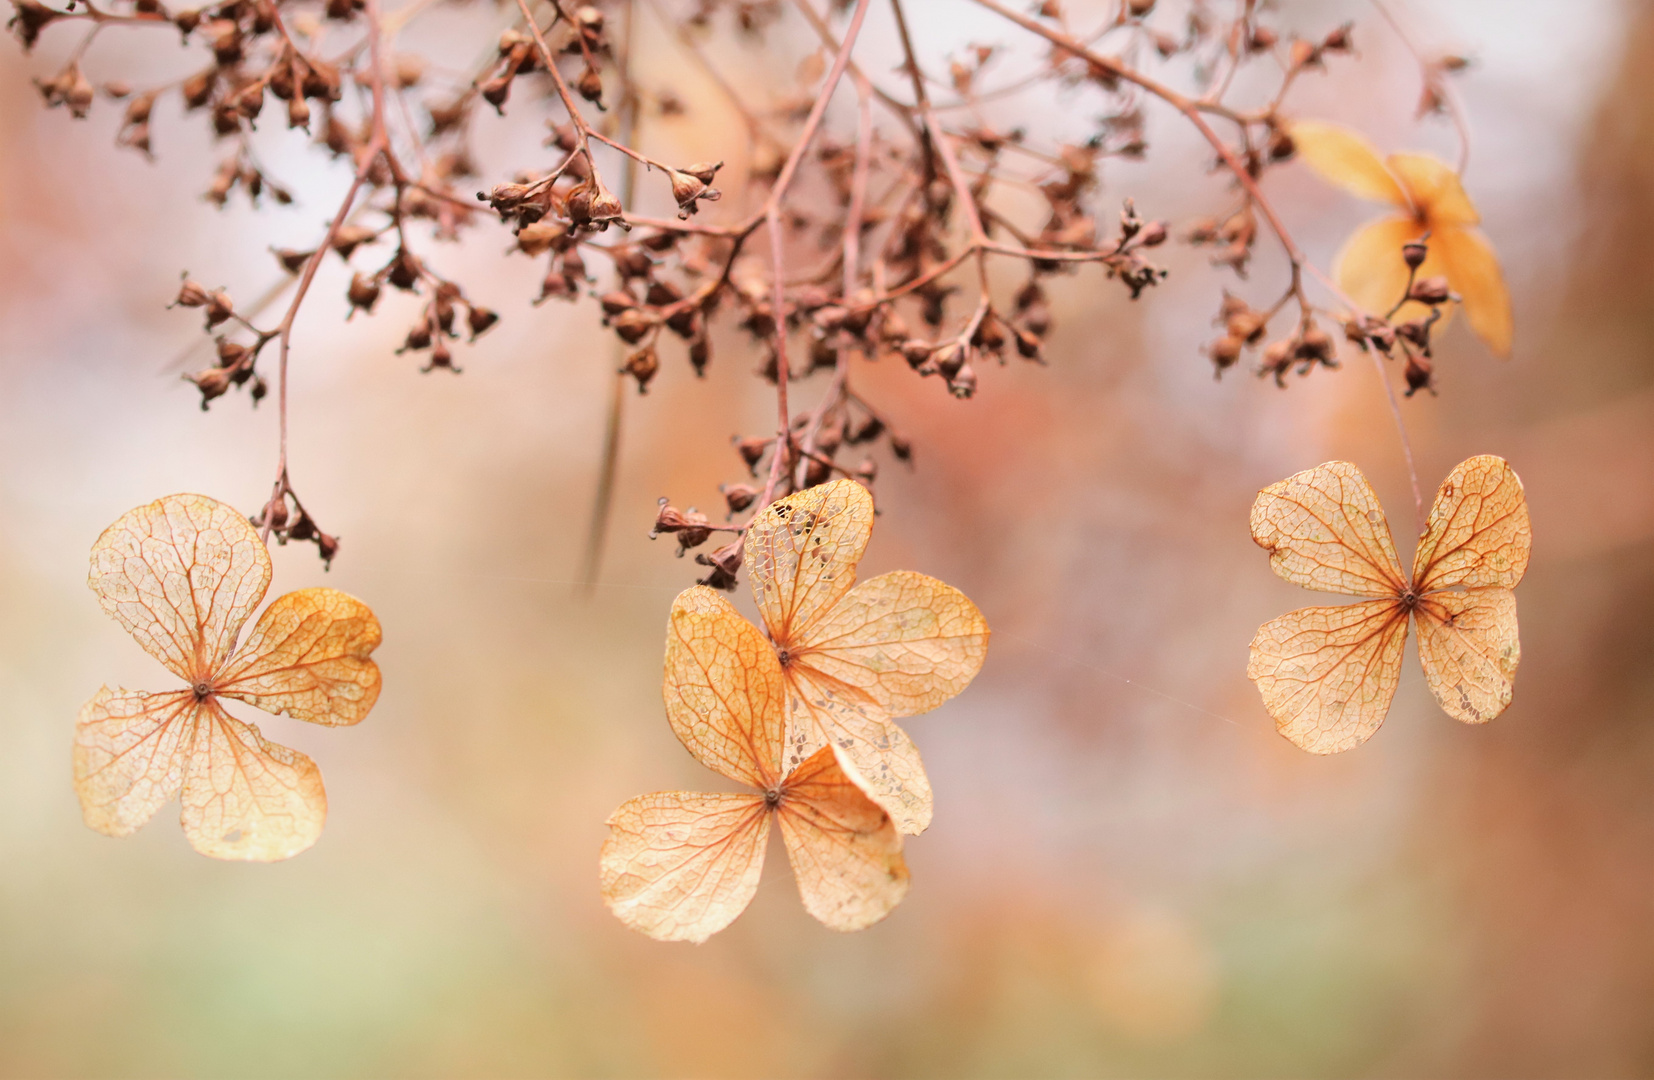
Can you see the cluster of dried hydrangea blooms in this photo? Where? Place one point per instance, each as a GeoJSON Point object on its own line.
{"type": "Point", "coordinates": [909, 200]}
{"type": "Point", "coordinates": [804, 712]}
{"type": "Point", "coordinates": [183, 575]}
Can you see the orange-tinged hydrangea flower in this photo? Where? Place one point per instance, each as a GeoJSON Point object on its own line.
{"type": "Point", "coordinates": [1430, 198]}
{"type": "Point", "coordinates": [680, 865]}
{"type": "Point", "coordinates": [183, 574]}
{"type": "Point", "coordinates": [857, 656]}
{"type": "Point", "coordinates": [1327, 674]}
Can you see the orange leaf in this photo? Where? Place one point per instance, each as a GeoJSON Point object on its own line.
{"type": "Point", "coordinates": [680, 866]}
{"type": "Point", "coordinates": [1323, 529]}
{"type": "Point", "coordinates": [1469, 649]}
{"type": "Point", "coordinates": [855, 656]}
{"type": "Point", "coordinates": [1327, 674]}
{"type": "Point", "coordinates": [1344, 158]}
{"type": "Point", "coordinates": [871, 748]}
{"type": "Point", "coordinates": [245, 798]}
{"type": "Point", "coordinates": [308, 657]}
{"type": "Point", "coordinates": [908, 641]}
{"type": "Point", "coordinates": [129, 756]}
{"type": "Point", "coordinates": [845, 852]}
{"type": "Point", "coordinates": [802, 551]}
{"type": "Point", "coordinates": [182, 574]}
{"type": "Point", "coordinates": [1477, 534]}
{"type": "Point", "coordinates": [725, 697]}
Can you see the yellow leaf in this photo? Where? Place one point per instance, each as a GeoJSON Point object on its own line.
{"type": "Point", "coordinates": [1472, 268]}
{"type": "Point", "coordinates": [1371, 271]}
{"type": "Point", "coordinates": [1434, 189]}
{"type": "Point", "coordinates": [1344, 158]}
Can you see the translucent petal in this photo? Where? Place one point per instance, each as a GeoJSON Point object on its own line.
{"type": "Point", "coordinates": [679, 865]}
{"type": "Point", "coordinates": [1347, 160]}
{"type": "Point", "coordinates": [1434, 190]}
{"type": "Point", "coordinates": [129, 756]}
{"type": "Point", "coordinates": [308, 657]}
{"type": "Point", "coordinates": [845, 852]}
{"type": "Point", "coordinates": [245, 798]}
{"type": "Point", "coordinates": [1323, 529]}
{"type": "Point", "coordinates": [872, 750]}
{"type": "Point", "coordinates": [1327, 674]}
{"type": "Point", "coordinates": [1371, 271]}
{"type": "Point", "coordinates": [1472, 268]}
{"type": "Point", "coordinates": [725, 696]}
{"type": "Point", "coordinates": [182, 574]}
{"type": "Point", "coordinates": [1478, 534]}
{"type": "Point", "coordinates": [801, 554]}
{"type": "Point", "coordinates": [1469, 649]}
{"type": "Point", "coordinates": [908, 641]}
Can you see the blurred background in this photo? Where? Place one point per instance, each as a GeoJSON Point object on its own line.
{"type": "Point", "coordinates": [1130, 873]}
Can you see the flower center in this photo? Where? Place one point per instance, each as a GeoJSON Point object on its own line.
{"type": "Point", "coordinates": [202, 690]}
{"type": "Point", "coordinates": [772, 798]}
{"type": "Point", "coordinates": [784, 656]}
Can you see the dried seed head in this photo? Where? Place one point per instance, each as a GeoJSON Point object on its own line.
{"type": "Point", "coordinates": [1315, 344]}
{"type": "Point", "coordinates": [441, 357]}
{"type": "Point", "coordinates": [1224, 352]}
{"type": "Point", "coordinates": [1247, 326]}
{"type": "Point", "coordinates": [632, 324]}
{"type": "Point", "coordinates": [691, 527]}
{"type": "Point", "coordinates": [752, 450]}
{"type": "Point", "coordinates": [363, 293]}
{"type": "Point", "coordinates": [350, 237]}
{"type": "Point", "coordinates": [1420, 374]}
{"type": "Point", "coordinates": [1414, 253]}
{"type": "Point", "coordinates": [1432, 290]}
{"type": "Point", "coordinates": [212, 382]}
{"type": "Point", "coordinates": [292, 261]}
{"type": "Point", "coordinates": [901, 447]}
{"type": "Point", "coordinates": [29, 18]}
{"type": "Point", "coordinates": [480, 320]}
{"type": "Point", "coordinates": [631, 261]}
{"type": "Point", "coordinates": [642, 366]}
{"type": "Point", "coordinates": [191, 294]}
{"type": "Point", "coordinates": [327, 547]}
{"type": "Point", "coordinates": [738, 496]}
{"type": "Point", "coordinates": [404, 270]}
{"type": "Point", "coordinates": [963, 381]}
{"type": "Point", "coordinates": [298, 113]}
{"type": "Point", "coordinates": [219, 307]}
{"type": "Point", "coordinates": [590, 85]}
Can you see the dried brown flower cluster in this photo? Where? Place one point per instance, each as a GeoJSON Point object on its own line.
{"type": "Point", "coordinates": [907, 198]}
